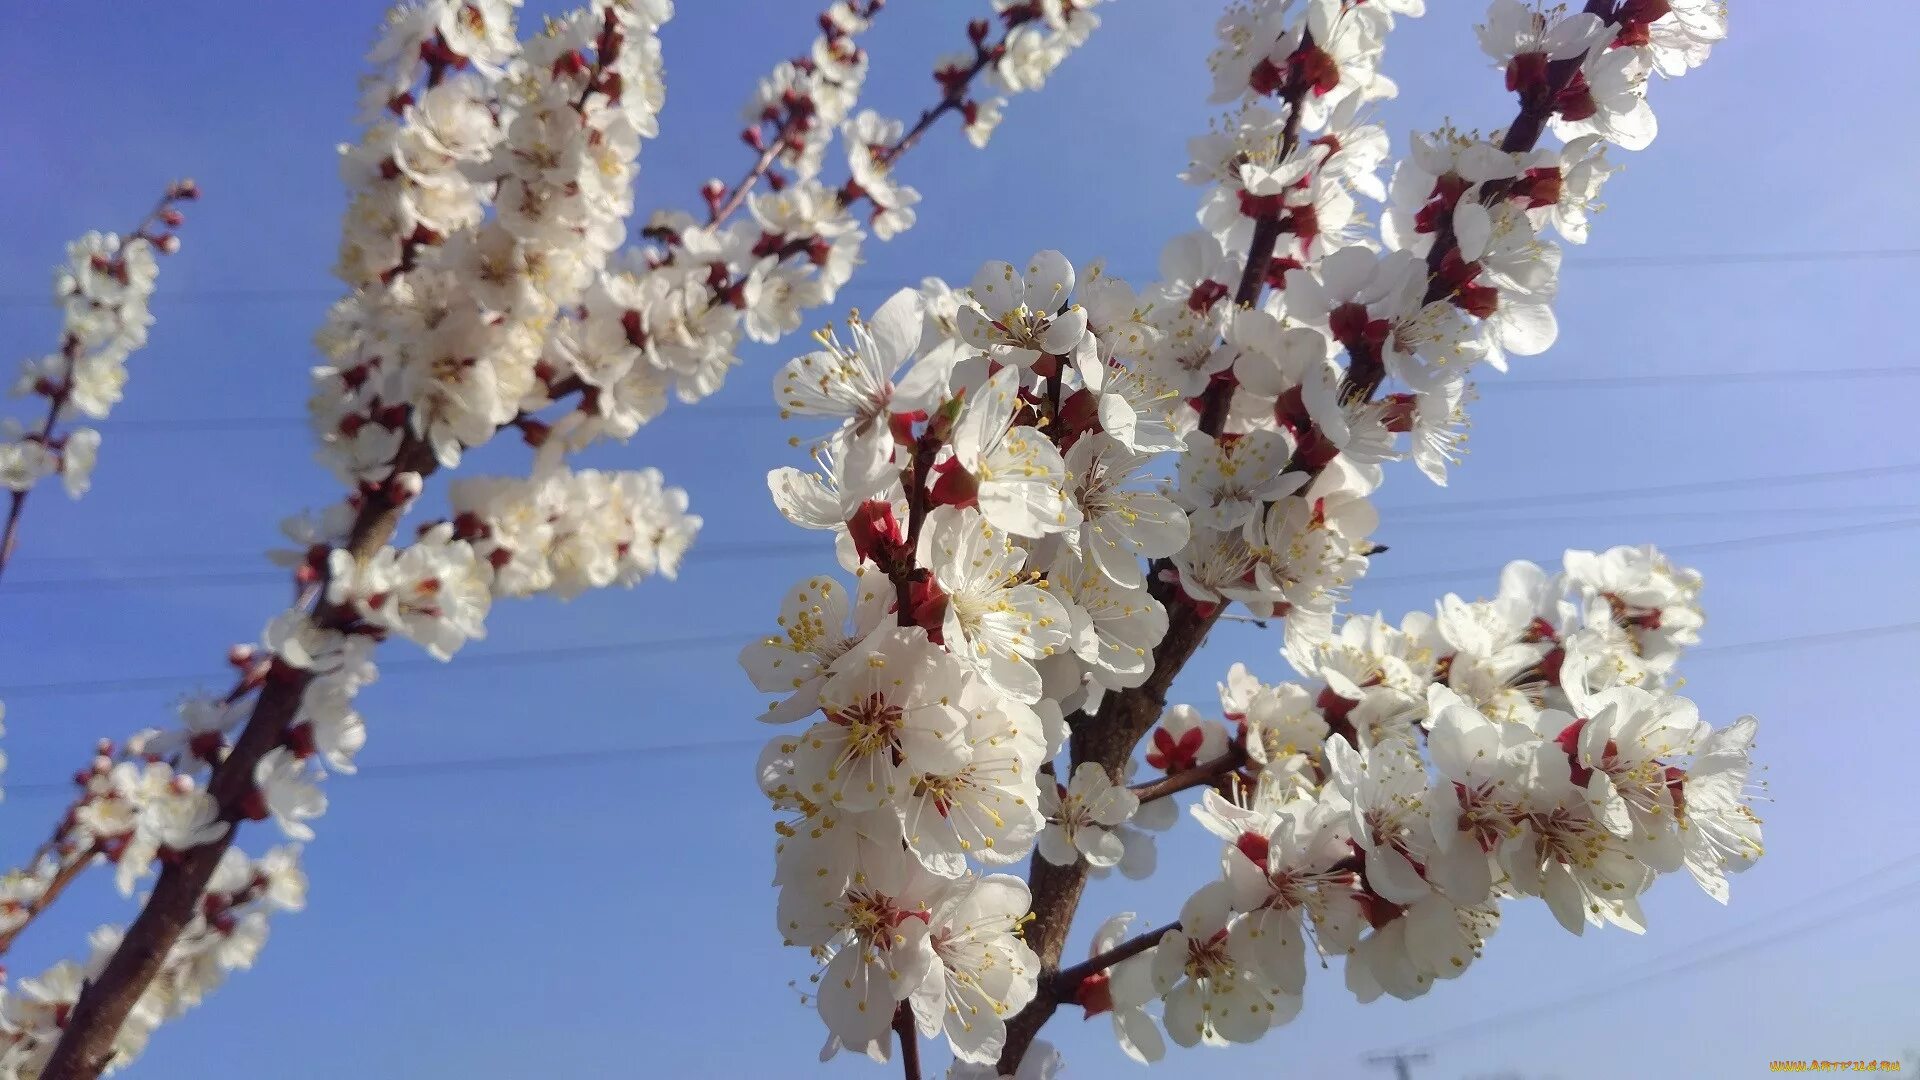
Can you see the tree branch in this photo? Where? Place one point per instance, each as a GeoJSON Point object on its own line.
{"type": "Point", "coordinates": [86, 1044]}
{"type": "Point", "coordinates": [909, 1042]}
{"type": "Point", "coordinates": [1201, 775]}
{"type": "Point", "coordinates": [1066, 983]}
{"type": "Point", "coordinates": [68, 873]}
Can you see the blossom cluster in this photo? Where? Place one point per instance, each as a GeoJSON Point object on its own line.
{"type": "Point", "coordinates": [686, 301]}
{"type": "Point", "coordinates": [489, 200]}
{"type": "Point", "coordinates": [225, 934]}
{"type": "Point", "coordinates": [102, 291]}
{"type": "Point", "coordinates": [1047, 486]}
{"type": "Point", "coordinates": [1525, 746]}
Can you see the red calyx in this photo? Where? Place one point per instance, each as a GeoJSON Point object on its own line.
{"type": "Point", "coordinates": [1302, 221]}
{"type": "Point", "coordinates": [1539, 630]}
{"type": "Point", "coordinates": [954, 486]}
{"type": "Point", "coordinates": [1094, 994]}
{"type": "Point", "coordinates": [1170, 754]}
{"type": "Point", "coordinates": [1378, 911]}
{"type": "Point", "coordinates": [1255, 847]}
{"type": "Point", "coordinates": [1078, 414]}
{"type": "Point", "coordinates": [1537, 188]}
{"type": "Point", "coordinates": [636, 334]}
{"type": "Point", "coordinates": [1576, 102]}
{"type": "Point", "coordinates": [1550, 665]}
{"type": "Point", "coordinates": [205, 744]}
{"type": "Point", "coordinates": [1677, 787]}
{"type": "Point", "coordinates": [1440, 203]}
{"type": "Point", "coordinates": [876, 534]}
{"type": "Point", "coordinates": [1527, 73]}
{"type": "Point", "coordinates": [1636, 18]}
{"type": "Point", "coordinates": [1277, 267]}
{"type": "Point", "coordinates": [929, 605]}
{"type": "Point", "coordinates": [1262, 206]}
{"type": "Point", "coordinates": [300, 740]}
{"type": "Point", "coordinates": [1399, 412]}
{"type": "Point", "coordinates": [1209, 292]}
{"type": "Point", "coordinates": [1311, 67]}
{"type": "Point", "coordinates": [900, 425]}
{"type": "Point", "coordinates": [1569, 740]}
{"type": "Point", "coordinates": [1266, 78]}
{"type": "Point", "coordinates": [1333, 707]}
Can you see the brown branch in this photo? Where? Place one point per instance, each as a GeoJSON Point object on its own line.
{"type": "Point", "coordinates": [1066, 983]}
{"type": "Point", "coordinates": [86, 1043]}
{"type": "Point", "coordinates": [909, 1042]}
{"type": "Point", "coordinates": [67, 875]}
{"type": "Point", "coordinates": [1201, 775]}
{"type": "Point", "coordinates": [761, 166]}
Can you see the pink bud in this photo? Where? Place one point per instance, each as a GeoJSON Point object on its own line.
{"type": "Point", "coordinates": [184, 189]}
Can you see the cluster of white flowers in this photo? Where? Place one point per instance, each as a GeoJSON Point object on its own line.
{"type": "Point", "coordinates": [452, 329]}
{"type": "Point", "coordinates": [102, 291]}
{"type": "Point", "coordinates": [685, 302]}
{"type": "Point", "coordinates": [1528, 745]}
{"type": "Point", "coordinates": [226, 932]}
{"type": "Point", "coordinates": [489, 199]}
{"type": "Point", "coordinates": [566, 532]}
{"type": "Point", "coordinates": [1021, 573]}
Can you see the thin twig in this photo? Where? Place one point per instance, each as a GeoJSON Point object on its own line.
{"type": "Point", "coordinates": [1067, 981]}
{"type": "Point", "coordinates": [58, 395]}
{"type": "Point", "coordinates": [1201, 775]}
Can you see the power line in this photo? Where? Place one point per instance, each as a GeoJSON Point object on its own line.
{"type": "Point", "coordinates": [1643, 491]}
{"type": "Point", "coordinates": [281, 294]}
{"type": "Point", "coordinates": [1689, 378]}
{"type": "Point", "coordinates": [499, 763]}
{"type": "Point", "coordinates": [1877, 902]}
{"type": "Point", "coordinates": [212, 424]}
{"type": "Point", "coordinates": [1402, 1062]}
{"type": "Point", "coordinates": [501, 658]}
{"type": "Point", "coordinates": [567, 653]}
{"type": "Point", "coordinates": [713, 553]}
{"type": "Point", "coordinates": [1729, 544]}
{"type": "Point", "coordinates": [756, 551]}
{"type": "Point", "coordinates": [710, 550]}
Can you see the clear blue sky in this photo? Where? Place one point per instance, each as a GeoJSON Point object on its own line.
{"type": "Point", "coordinates": [615, 919]}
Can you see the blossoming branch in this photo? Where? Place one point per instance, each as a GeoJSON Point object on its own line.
{"type": "Point", "coordinates": [1046, 488]}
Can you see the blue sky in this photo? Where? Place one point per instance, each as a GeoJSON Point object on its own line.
{"type": "Point", "coordinates": [613, 918]}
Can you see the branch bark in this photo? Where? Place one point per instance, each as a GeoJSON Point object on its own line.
{"type": "Point", "coordinates": [909, 1042]}
{"type": "Point", "coordinates": [86, 1045]}
{"type": "Point", "coordinates": [1201, 775]}
{"type": "Point", "coordinates": [1067, 983]}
